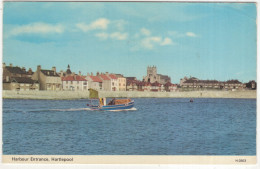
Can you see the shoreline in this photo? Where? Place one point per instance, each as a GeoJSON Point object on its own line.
{"type": "Point", "coordinates": [73, 95]}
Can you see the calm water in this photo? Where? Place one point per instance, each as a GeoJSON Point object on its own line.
{"type": "Point", "coordinates": [157, 127]}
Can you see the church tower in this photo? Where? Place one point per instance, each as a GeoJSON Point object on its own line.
{"type": "Point", "coordinates": [151, 71]}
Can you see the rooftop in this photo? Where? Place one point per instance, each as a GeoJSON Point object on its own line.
{"type": "Point", "coordinates": [95, 79]}
{"type": "Point", "coordinates": [50, 73]}
{"type": "Point", "coordinates": [74, 78]}
{"type": "Point", "coordinates": [16, 70]}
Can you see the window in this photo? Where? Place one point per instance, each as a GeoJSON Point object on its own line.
{"type": "Point", "coordinates": [113, 83]}
{"type": "Point", "coordinates": [71, 82]}
{"type": "Point", "coordinates": [66, 82]}
{"type": "Point", "coordinates": [77, 82]}
{"type": "Point", "coordinates": [85, 87]}
{"type": "Point", "coordinates": [85, 83]}
{"type": "Point", "coordinates": [77, 87]}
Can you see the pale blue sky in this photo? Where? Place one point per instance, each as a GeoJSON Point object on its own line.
{"type": "Point", "coordinates": [205, 40]}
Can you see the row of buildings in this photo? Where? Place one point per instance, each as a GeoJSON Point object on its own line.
{"type": "Point", "coordinates": [18, 78]}
{"type": "Point", "coordinates": [193, 83]}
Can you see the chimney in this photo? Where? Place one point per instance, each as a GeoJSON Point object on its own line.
{"type": "Point", "coordinates": [106, 73]}
{"type": "Point", "coordinates": [80, 73]}
{"type": "Point", "coordinates": [23, 68]}
{"type": "Point", "coordinates": [11, 65]}
{"type": "Point", "coordinates": [54, 68]}
{"type": "Point", "coordinates": [97, 73]}
{"type": "Point", "coordinates": [30, 71]}
{"type": "Point", "coordinates": [39, 68]}
{"type": "Point", "coordinates": [91, 74]}
{"type": "Point", "coordinates": [61, 73]}
{"type": "Point", "coordinates": [88, 74]}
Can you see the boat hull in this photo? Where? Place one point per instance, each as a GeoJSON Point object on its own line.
{"type": "Point", "coordinates": [113, 107]}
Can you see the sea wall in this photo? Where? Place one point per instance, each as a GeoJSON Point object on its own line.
{"type": "Point", "coordinates": [132, 94]}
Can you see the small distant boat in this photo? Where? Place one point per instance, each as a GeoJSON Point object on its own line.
{"type": "Point", "coordinates": [191, 100]}
{"type": "Point", "coordinates": [97, 103]}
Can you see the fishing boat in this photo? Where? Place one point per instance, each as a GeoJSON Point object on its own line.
{"type": "Point", "coordinates": [114, 104]}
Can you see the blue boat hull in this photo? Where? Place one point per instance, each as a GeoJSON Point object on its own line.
{"type": "Point", "coordinates": [113, 107]}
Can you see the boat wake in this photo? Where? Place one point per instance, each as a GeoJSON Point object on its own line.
{"type": "Point", "coordinates": [77, 109]}
{"type": "Point", "coordinates": [73, 109]}
{"type": "Point", "coordinates": [132, 109]}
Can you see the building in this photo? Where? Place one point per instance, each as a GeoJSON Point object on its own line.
{"type": "Point", "coordinates": [66, 73]}
{"type": "Point", "coordinates": [233, 84]}
{"type": "Point", "coordinates": [20, 84]}
{"type": "Point", "coordinates": [48, 79]}
{"type": "Point", "coordinates": [74, 83]}
{"type": "Point", "coordinates": [169, 87]}
{"type": "Point", "coordinates": [157, 87]}
{"type": "Point", "coordinates": [132, 85]}
{"type": "Point", "coordinates": [196, 84]}
{"type": "Point", "coordinates": [144, 86]}
{"type": "Point", "coordinates": [114, 82]}
{"type": "Point", "coordinates": [15, 71]}
{"type": "Point", "coordinates": [94, 82]}
{"type": "Point", "coordinates": [121, 82]}
{"type": "Point", "coordinates": [153, 77]}
{"type": "Point", "coordinates": [106, 81]}
{"type": "Point", "coordinates": [251, 85]}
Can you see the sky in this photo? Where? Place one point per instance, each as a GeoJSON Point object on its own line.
{"type": "Point", "coordinates": [210, 41]}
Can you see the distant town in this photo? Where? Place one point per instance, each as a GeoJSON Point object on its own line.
{"type": "Point", "coordinates": [20, 79]}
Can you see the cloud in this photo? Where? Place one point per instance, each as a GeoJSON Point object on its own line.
{"type": "Point", "coordinates": [191, 34]}
{"type": "Point", "coordinates": [145, 32]}
{"type": "Point", "coordinates": [150, 42]}
{"type": "Point", "coordinates": [119, 36]}
{"type": "Point", "coordinates": [166, 41]}
{"type": "Point", "coordinates": [100, 23]}
{"type": "Point", "coordinates": [177, 34]}
{"type": "Point", "coordinates": [36, 28]}
{"type": "Point", "coordinates": [114, 35]}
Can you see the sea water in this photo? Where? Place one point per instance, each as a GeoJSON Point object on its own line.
{"type": "Point", "coordinates": [157, 126]}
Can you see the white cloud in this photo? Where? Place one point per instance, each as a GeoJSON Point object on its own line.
{"type": "Point", "coordinates": [100, 23]}
{"type": "Point", "coordinates": [181, 35]}
{"type": "Point", "coordinates": [150, 42]}
{"type": "Point", "coordinates": [166, 41]}
{"type": "Point", "coordinates": [119, 36]}
{"type": "Point", "coordinates": [191, 34]}
{"type": "Point", "coordinates": [145, 32]}
{"type": "Point", "coordinates": [37, 28]}
{"type": "Point", "coordinates": [114, 35]}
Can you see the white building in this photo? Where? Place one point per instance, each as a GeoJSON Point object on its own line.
{"type": "Point", "coordinates": [74, 83]}
{"type": "Point", "coordinates": [114, 82]}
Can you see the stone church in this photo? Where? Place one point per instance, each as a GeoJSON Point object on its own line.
{"type": "Point", "coordinates": [152, 76]}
